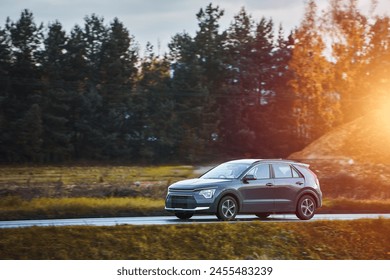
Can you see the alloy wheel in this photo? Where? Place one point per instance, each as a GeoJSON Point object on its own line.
{"type": "Point", "coordinates": [306, 207]}
{"type": "Point", "coordinates": [227, 209]}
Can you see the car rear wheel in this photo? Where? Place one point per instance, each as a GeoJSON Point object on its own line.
{"type": "Point", "coordinates": [183, 215]}
{"type": "Point", "coordinates": [263, 216]}
{"type": "Point", "coordinates": [306, 207]}
{"type": "Point", "coordinates": [227, 208]}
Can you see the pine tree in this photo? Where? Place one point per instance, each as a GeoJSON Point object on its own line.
{"type": "Point", "coordinates": [26, 39]}
{"type": "Point", "coordinates": [75, 75]}
{"type": "Point", "coordinates": [5, 55]}
{"type": "Point", "coordinates": [209, 44]}
{"type": "Point", "coordinates": [263, 58]}
{"type": "Point", "coordinates": [5, 66]}
{"type": "Point", "coordinates": [377, 82]}
{"type": "Point", "coordinates": [92, 139]}
{"type": "Point", "coordinates": [29, 139]}
{"type": "Point", "coordinates": [211, 54]}
{"type": "Point", "coordinates": [56, 100]}
{"type": "Point", "coordinates": [316, 106]}
{"type": "Point", "coordinates": [198, 66]}
{"type": "Point", "coordinates": [24, 87]}
{"type": "Point", "coordinates": [239, 86]}
{"type": "Point", "coordinates": [251, 87]}
{"type": "Point", "coordinates": [160, 124]}
{"type": "Point", "coordinates": [283, 128]}
{"type": "Point", "coordinates": [95, 35]}
{"type": "Point", "coordinates": [117, 80]}
{"type": "Point", "coordinates": [350, 33]}
{"type": "Point", "coordinates": [262, 119]}
{"type": "Point", "coordinates": [75, 68]}
{"type": "Point", "coordinates": [189, 95]}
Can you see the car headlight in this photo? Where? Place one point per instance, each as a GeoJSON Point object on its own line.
{"type": "Point", "coordinates": [207, 193]}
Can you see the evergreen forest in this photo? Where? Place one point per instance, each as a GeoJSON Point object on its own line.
{"type": "Point", "coordinates": [251, 90]}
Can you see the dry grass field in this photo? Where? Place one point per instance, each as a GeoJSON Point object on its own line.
{"type": "Point", "coordinates": [325, 240]}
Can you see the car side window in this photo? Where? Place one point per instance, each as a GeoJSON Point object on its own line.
{"type": "Point", "coordinates": [282, 170]}
{"type": "Point", "coordinates": [260, 171]}
{"type": "Point", "coordinates": [295, 173]}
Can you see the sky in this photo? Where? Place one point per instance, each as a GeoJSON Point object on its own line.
{"type": "Point", "coordinates": [157, 21]}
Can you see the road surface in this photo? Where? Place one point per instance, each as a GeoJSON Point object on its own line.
{"type": "Point", "coordinates": [171, 220]}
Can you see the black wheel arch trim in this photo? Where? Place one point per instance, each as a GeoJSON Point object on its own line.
{"type": "Point", "coordinates": [308, 191]}
{"type": "Point", "coordinates": [233, 193]}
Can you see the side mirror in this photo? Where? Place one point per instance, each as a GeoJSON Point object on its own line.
{"type": "Point", "coordinates": [248, 177]}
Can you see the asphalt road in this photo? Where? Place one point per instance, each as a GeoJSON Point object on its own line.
{"type": "Point", "coordinates": [170, 220]}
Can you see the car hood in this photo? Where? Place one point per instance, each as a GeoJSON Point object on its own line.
{"type": "Point", "coordinates": [199, 183]}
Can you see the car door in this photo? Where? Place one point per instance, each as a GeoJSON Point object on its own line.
{"type": "Point", "coordinates": [257, 193]}
{"type": "Point", "coordinates": [287, 183]}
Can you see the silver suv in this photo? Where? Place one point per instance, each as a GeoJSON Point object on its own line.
{"type": "Point", "coordinates": [248, 186]}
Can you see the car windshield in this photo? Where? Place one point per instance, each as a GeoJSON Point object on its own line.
{"type": "Point", "coordinates": [226, 171]}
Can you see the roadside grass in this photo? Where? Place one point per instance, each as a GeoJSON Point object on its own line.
{"type": "Point", "coordinates": [90, 181]}
{"type": "Point", "coordinates": [15, 208]}
{"type": "Point", "coordinates": [359, 239]}
{"type": "Point", "coordinates": [70, 175]}
{"type": "Point", "coordinates": [347, 205]}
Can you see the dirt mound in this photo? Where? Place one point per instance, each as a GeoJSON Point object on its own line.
{"type": "Point", "coordinates": [364, 140]}
{"type": "Point", "coordinates": [353, 160]}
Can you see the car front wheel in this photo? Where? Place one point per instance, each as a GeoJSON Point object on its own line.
{"type": "Point", "coordinates": [227, 208]}
{"type": "Point", "coordinates": [306, 207]}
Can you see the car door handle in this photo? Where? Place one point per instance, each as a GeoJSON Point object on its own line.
{"type": "Point", "coordinates": [299, 183]}
{"type": "Point", "coordinates": [269, 184]}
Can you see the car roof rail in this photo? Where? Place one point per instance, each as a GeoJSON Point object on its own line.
{"type": "Point", "coordinates": [286, 161]}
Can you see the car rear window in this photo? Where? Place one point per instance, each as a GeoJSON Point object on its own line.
{"type": "Point", "coordinates": [284, 170]}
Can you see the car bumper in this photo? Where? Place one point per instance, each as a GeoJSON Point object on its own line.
{"type": "Point", "coordinates": [188, 202]}
{"type": "Point", "coordinates": [187, 209]}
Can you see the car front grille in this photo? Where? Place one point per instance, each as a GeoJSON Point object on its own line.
{"type": "Point", "coordinates": [184, 202]}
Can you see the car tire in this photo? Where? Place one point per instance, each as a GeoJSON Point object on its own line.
{"type": "Point", "coordinates": [227, 208]}
{"type": "Point", "coordinates": [306, 207]}
{"type": "Point", "coordinates": [263, 216]}
{"type": "Point", "coordinates": [184, 215]}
